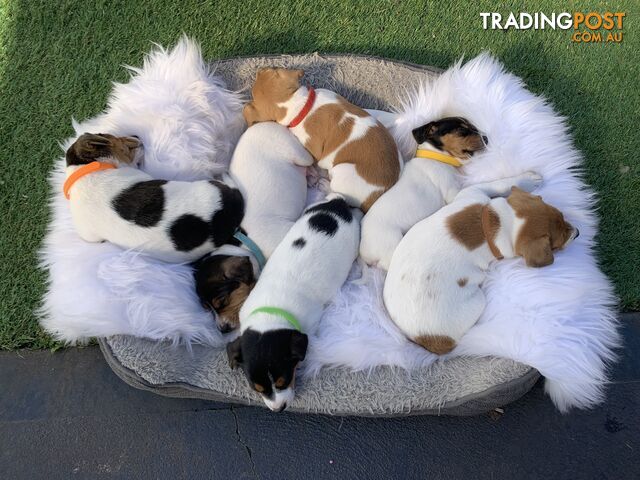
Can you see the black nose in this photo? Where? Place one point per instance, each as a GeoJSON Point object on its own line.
{"type": "Point", "coordinates": [485, 140]}
{"type": "Point", "coordinates": [225, 328]}
{"type": "Point", "coordinates": [577, 233]}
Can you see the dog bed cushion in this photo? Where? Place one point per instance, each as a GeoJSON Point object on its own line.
{"type": "Point", "coordinates": [559, 319]}
{"type": "Point", "coordinates": [458, 386]}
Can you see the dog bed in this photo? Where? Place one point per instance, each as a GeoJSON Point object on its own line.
{"type": "Point", "coordinates": [385, 375]}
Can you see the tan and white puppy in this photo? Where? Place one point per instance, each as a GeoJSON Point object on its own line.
{"type": "Point", "coordinates": [268, 167]}
{"type": "Point", "coordinates": [433, 288]}
{"type": "Point", "coordinates": [357, 150]}
{"type": "Point", "coordinates": [428, 182]}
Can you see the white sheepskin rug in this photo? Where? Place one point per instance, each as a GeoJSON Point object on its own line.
{"type": "Point", "coordinates": [189, 124]}
{"type": "Point", "coordinates": [559, 319]}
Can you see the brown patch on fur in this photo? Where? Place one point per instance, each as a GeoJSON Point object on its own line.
{"type": "Point", "coordinates": [465, 226]}
{"type": "Point", "coordinates": [351, 108]}
{"type": "Point", "coordinates": [325, 119]}
{"type": "Point", "coordinates": [272, 86]}
{"type": "Point", "coordinates": [461, 146]}
{"type": "Point", "coordinates": [462, 281]}
{"type": "Point", "coordinates": [371, 199]}
{"type": "Point", "coordinates": [90, 147]}
{"type": "Point", "coordinates": [438, 344]}
{"type": "Point", "coordinates": [544, 231]}
{"type": "Point", "coordinates": [279, 382]}
{"type": "Point", "coordinates": [375, 156]}
{"type": "Point", "coordinates": [230, 312]}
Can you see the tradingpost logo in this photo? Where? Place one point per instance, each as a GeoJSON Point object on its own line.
{"type": "Point", "coordinates": [589, 27]}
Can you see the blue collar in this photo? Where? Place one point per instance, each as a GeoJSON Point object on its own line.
{"type": "Point", "coordinates": [252, 247]}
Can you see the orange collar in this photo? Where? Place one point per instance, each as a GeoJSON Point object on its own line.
{"type": "Point", "coordinates": [305, 110]}
{"type": "Point", "coordinates": [81, 172]}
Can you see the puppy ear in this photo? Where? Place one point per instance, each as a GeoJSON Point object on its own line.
{"type": "Point", "coordinates": [420, 133]}
{"type": "Point", "coordinates": [250, 114]}
{"type": "Point", "coordinates": [299, 343]}
{"type": "Point", "coordinates": [234, 353]}
{"type": "Point", "coordinates": [537, 252]}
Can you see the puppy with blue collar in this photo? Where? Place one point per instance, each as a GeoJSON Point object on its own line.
{"type": "Point", "coordinates": [112, 200]}
{"type": "Point", "coordinates": [269, 167]}
{"type": "Point", "coordinates": [302, 276]}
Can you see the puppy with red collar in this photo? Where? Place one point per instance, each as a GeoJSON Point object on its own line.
{"type": "Point", "coordinates": [168, 220]}
{"type": "Point", "coordinates": [433, 288]}
{"type": "Point", "coordinates": [357, 150]}
{"type": "Point", "coordinates": [303, 274]}
{"type": "Point", "coordinates": [429, 181]}
{"type": "Point", "coordinates": [269, 167]}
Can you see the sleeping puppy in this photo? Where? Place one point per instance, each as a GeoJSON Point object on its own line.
{"type": "Point", "coordinates": [357, 150]}
{"type": "Point", "coordinates": [268, 166]}
{"type": "Point", "coordinates": [433, 287]}
{"type": "Point", "coordinates": [428, 182]}
{"type": "Point", "coordinates": [303, 274]}
{"type": "Point", "coordinates": [171, 221]}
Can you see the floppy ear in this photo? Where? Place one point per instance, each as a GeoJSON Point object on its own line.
{"type": "Point", "coordinates": [299, 342]}
{"type": "Point", "coordinates": [420, 133]}
{"type": "Point", "coordinates": [234, 353]}
{"type": "Point", "coordinates": [250, 114]}
{"type": "Point", "coordinates": [537, 252]}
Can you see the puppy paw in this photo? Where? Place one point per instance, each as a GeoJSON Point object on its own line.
{"type": "Point", "coordinates": [529, 181]}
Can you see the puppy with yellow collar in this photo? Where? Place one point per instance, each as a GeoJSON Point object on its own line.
{"type": "Point", "coordinates": [428, 182]}
{"type": "Point", "coordinates": [433, 287]}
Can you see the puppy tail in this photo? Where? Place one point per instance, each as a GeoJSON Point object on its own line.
{"type": "Point", "coordinates": [438, 344]}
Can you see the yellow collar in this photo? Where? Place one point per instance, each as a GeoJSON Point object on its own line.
{"type": "Point", "coordinates": [440, 157]}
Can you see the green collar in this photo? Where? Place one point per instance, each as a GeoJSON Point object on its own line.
{"type": "Point", "coordinates": [280, 313]}
{"type": "Point", "coordinates": [252, 247]}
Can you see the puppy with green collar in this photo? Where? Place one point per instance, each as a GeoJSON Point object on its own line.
{"type": "Point", "coordinates": [302, 276]}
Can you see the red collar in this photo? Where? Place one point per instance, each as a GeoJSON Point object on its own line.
{"type": "Point", "coordinates": [81, 172]}
{"type": "Point", "coordinates": [305, 110]}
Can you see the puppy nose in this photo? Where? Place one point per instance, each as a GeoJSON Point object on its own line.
{"type": "Point", "coordinates": [577, 234]}
{"type": "Point", "coordinates": [485, 140]}
{"type": "Point", "coordinates": [225, 328]}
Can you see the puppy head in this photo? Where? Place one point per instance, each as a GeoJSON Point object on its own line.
{"type": "Point", "coordinates": [272, 86]}
{"type": "Point", "coordinates": [544, 230]}
{"type": "Point", "coordinates": [223, 283]}
{"type": "Point", "coordinates": [454, 135]}
{"type": "Point", "coordinates": [117, 150]}
{"type": "Point", "coordinates": [269, 360]}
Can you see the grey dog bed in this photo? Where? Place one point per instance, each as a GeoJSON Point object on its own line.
{"type": "Point", "coordinates": [459, 386]}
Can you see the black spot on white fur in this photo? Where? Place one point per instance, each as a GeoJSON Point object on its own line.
{"type": "Point", "coordinates": [337, 206]}
{"type": "Point", "coordinates": [188, 232]}
{"type": "Point", "coordinates": [227, 219]}
{"type": "Point", "coordinates": [299, 242]}
{"type": "Point", "coordinates": [323, 223]}
{"type": "Point", "coordinates": [142, 203]}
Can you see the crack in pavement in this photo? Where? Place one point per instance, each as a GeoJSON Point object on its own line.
{"type": "Point", "coordinates": [242, 442]}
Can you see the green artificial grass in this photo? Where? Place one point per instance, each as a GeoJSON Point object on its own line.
{"type": "Point", "coordinates": [57, 60]}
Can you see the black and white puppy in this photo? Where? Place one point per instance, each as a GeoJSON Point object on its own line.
{"type": "Point", "coordinates": [303, 274]}
{"type": "Point", "coordinates": [169, 220]}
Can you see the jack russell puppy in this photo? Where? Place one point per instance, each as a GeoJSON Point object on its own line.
{"type": "Point", "coordinates": [428, 182]}
{"type": "Point", "coordinates": [269, 167]}
{"type": "Point", "coordinates": [433, 288]}
{"type": "Point", "coordinates": [302, 276]}
{"type": "Point", "coordinates": [359, 153]}
{"type": "Point", "coordinates": [111, 200]}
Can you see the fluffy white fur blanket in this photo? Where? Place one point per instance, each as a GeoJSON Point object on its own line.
{"type": "Point", "coordinates": [559, 319]}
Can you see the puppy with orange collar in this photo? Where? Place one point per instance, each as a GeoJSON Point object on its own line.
{"type": "Point", "coordinates": [433, 288]}
{"type": "Point", "coordinates": [174, 221]}
{"type": "Point", "coordinates": [357, 150]}
{"type": "Point", "coordinates": [429, 181]}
